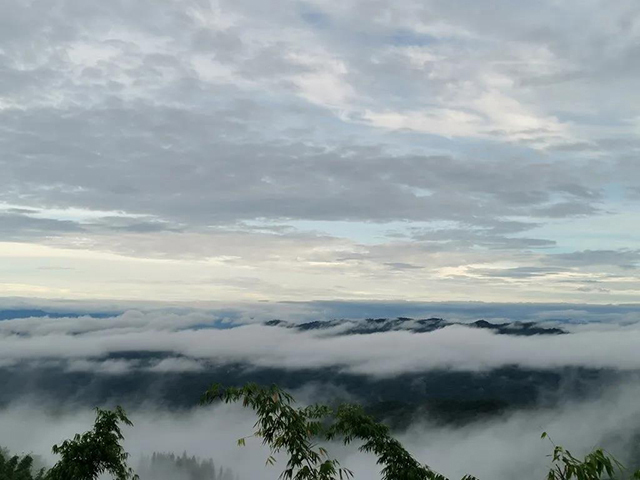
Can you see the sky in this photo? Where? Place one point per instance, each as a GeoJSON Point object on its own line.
{"type": "Point", "coordinates": [251, 151]}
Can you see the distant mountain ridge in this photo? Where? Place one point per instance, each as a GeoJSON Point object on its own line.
{"type": "Point", "coordinates": [425, 325]}
{"type": "Point", "coordinates": [21, 313]}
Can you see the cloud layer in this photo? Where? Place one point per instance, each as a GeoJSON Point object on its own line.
{"type": "Point", "coordinates": [193, 341]}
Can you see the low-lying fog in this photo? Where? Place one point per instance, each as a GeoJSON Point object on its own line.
{"type": "Point", "coordinates": [496, 448]}
{"type": "Point", "coordinates": [501, 449]}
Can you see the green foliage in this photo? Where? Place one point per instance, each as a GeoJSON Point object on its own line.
{"type": "Point", "coordinates": [297, 431]}
{"type": "Point", "coordinates": [596, 465]}
{"type": "Point", "coordinates": [351, 423]}
{"type": "Point", "coordinates": [18, 468]}
{"type": "Point", "coordinates": [98, 451]}
{"type": "Point", "coordinates": [284, 427]}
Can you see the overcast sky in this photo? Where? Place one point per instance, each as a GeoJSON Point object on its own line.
{"type": "Point", "coordinates": [247, 150]}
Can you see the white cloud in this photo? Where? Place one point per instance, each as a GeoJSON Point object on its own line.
{"type": "Point", "coordinates": [83, 340]}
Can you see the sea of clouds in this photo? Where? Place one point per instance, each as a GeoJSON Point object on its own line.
{"type": "Point", "coordinates": [500, 448]}
{"type": "Point", "coordinates": [192, 340]}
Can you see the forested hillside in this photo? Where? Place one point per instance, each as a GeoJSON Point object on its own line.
{"type": "Point", "coordinates": [300, 435]}
{"type": "Point", "coordinates": [169, 466]}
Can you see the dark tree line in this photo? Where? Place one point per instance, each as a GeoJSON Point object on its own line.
{"type": "Point", "coordinates": [15, 467]}
{"type": "Point", "coordinates": [162, 465]}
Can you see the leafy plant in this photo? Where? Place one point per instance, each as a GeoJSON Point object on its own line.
{"type": "Point", "coordinates": [595, 465]}
{"type": "Point", "coordinates": [18, 468]}
{"type": "Point", "coordinates": [284, 427]}
{"type": "Point", "coordinates": [98, 451]}
{"type": "Point", "coordinates": [298, 430]}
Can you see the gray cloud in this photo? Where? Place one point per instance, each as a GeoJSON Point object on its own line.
{"type": "Point", "coordinates": [517, 272]}
{"type": "Point", "coordinates": [402, 266]}
{"type": "Point", "coordinates": [250, 181]}
{"type": "Point", "coordinates": [185, 124]}
{"type": "Point", "coordinates": [625, 259]}
{"type": "Point", "coordinates": [20, 227]}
